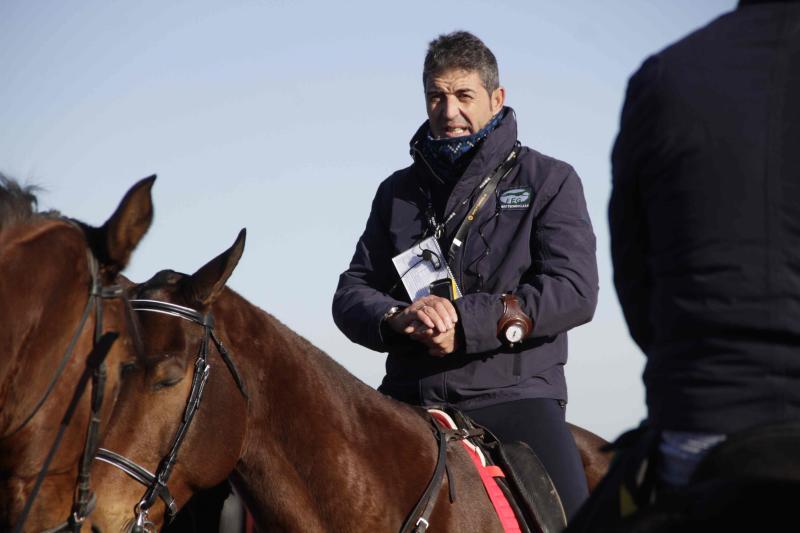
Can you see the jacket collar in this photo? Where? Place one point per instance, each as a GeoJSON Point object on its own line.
{"type": "Point", "coordinates": [491, 152]}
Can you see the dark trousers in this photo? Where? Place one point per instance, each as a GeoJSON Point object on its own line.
{"type": "Point", "coordinates": [540, 423]}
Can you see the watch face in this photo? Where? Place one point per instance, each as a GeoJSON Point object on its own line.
{"type": "Point", "coordinates": [514, 333]}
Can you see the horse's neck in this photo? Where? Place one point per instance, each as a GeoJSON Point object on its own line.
{"type": "Point", "coordinates": [39, 315]}
{"type": "Point", "coordinates": [314, 428]}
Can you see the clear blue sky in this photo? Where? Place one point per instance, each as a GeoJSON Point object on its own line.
{"type": "Point", "coordinates": [283, 117]}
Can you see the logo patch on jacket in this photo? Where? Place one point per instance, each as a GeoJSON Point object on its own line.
{"type": "Point", "coordinates": [519, 198]}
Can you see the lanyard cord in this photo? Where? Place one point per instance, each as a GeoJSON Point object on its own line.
{"type": "Point", "coordinates": [484, 190]}
{"type": "Point", "coordinates": [486, 187]}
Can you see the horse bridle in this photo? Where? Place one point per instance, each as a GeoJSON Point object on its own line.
{"type": "Point", "coordinates": [156, 483]}
{"type": "Point", "coordinates": [83, 498]}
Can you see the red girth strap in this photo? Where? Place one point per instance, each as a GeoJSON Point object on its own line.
{"type": "Point", "coordinates": [487, 473]}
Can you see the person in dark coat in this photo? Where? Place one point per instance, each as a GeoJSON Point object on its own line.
{"type": "Point", "coordinates": [524, 265]}
{"type": "Point", "coordinates": [705, 243]}
{"type": "Point", "coordinates": [705, 229]}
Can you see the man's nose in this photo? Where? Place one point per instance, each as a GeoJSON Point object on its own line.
{"type": "Point", "coordinates": [452, 108]}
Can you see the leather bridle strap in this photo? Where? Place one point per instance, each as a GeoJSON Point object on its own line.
{"type": "Point", "coordinates": [82, 502]}
{"type": "Point", "coordinates": [207, 321]}
{"type": "Point", "coordinates": [201, 372]}
{"type": "Point", "coordinates": [157, 483]}
{"type": "Point", "coordinates": [83, 494]}
{"type": "Point", "coordinates": [64, 526]}
{"type": "Point", "coordinates": [140, 474]}
{"type": "Point", "coordinates": [104, 345]}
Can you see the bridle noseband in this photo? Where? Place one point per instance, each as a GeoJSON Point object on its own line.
{"type": "Point", "coordinates": [83, 498]}
{"type": "Point", "coordinates": [157, 483]}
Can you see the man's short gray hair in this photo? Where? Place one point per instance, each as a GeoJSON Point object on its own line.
{"type": "Point", "coordinates": [461, 50]}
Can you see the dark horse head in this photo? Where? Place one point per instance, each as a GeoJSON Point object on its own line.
{"type": "Point", "coordinates": [56, 275]}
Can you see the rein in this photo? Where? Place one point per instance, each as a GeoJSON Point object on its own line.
{"type": "Point", "coordinates": [157, 483]}
{"type": "Point", "coordinates": [83, 498]}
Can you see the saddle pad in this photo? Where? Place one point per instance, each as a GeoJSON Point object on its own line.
{"type": "Point", "coordinates": [487, 474]}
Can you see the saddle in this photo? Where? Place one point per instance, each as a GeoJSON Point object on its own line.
{"type": "Point", "coordinates": [766, 453]}
{"type": "Point", "coordinates": [526, 484]}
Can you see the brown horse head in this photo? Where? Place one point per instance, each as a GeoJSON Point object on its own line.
{"type": "Point", "coordinates": [54, 274]}
{"type": "Point", "coordinates": [152, 406]}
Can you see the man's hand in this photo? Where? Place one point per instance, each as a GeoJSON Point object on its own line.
{"type": "Point", "coordinates": [438, 345]}
{"type": "Point", "coordinates": [430, 320]}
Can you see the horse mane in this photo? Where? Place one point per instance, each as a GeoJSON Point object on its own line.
{"type": "Point", "coordinates": [17, 203]}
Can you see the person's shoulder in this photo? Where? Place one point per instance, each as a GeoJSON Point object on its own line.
{"type": "Point", "coordinates": [538, 166]}
{"type": "Point", "coordinates": [705, 39]}
{"type": "Point", "coordinates": [702, 39]}
{"type": "Point", "coordinates": [400, 177]}
{"type": "Point", "coordinates": [398, 180]}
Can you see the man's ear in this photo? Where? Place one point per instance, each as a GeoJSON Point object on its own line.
{"type": "Point", "coordinates": [207, 283]}
{"type": "Point", "coordinates": [497, 99]}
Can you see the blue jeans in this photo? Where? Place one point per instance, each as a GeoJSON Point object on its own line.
{"type": "Point", "coordinates": [679, 454]}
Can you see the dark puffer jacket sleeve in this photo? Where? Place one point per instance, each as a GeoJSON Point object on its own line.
{"type": "Point", "coordinates": [358, 307]}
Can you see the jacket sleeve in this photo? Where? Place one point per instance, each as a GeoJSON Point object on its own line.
{"type": "Point", "coordinates": [632, 154]}
{"type": "Point", "coordinates": [559, 291]}
{"type": "Point", "coordinates": [361, 298]}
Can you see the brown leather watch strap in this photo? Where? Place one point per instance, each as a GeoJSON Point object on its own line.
{"type": "Point", "coordinates": [513, 317]}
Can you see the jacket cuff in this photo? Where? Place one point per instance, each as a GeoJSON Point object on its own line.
{"type": "Point", "coordinates": [386, 336]}
{"type": "Point", "coordinates": [478, 315]}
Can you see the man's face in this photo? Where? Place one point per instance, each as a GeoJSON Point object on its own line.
{"type": "Point", "coordinates": [458, 103]}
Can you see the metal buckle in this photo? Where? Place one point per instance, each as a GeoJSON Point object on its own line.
{"type": "Point", "coordinates": [142, 524]}
{"type": "Point", "coordinates": [77, 518]}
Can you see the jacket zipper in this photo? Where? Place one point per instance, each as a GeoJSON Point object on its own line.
{"type": "Point", "coordinates": [416, 152]}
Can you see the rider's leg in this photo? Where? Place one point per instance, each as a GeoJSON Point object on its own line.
{"type": "Point", "coordinates": [540, 423]}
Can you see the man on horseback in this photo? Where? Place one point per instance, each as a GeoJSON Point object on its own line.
{"type": "Point", "coordinates": [705, 233]}
{"type": "Point", "coordinates": [519, 266]}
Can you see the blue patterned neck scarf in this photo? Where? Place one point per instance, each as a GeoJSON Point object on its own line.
{"type": "Point", "coordinates": [449, 150]}
{"type": "Point", "coordinates": [447, 155]}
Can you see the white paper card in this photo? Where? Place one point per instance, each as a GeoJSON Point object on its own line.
{"type": "Point", "coordinates": [416, 272]}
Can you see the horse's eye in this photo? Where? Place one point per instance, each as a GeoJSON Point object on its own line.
{"type": "Point", "coordinates": [126, 368]}
{"type": "Point", "coordinates": [166, 383]}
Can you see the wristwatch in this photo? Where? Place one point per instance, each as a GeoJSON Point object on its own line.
{"type": "Point", "coordinates": [514, 326]}
{"type": "Point", "coordinates": [392, 312]}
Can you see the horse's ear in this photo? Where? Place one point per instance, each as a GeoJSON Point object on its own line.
{"type": "Point", "coordinates": [207, 283]}
{"type": "Point", "coordinates": [126, 227]}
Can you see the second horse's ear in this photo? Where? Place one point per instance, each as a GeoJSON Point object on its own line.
{"type": "Point", "coordinates": [126, 227]}
{"type": "Point", "coordinates": [207, 283]}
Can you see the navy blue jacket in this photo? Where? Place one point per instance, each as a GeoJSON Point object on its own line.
{"type": "Point", "coordinates": [705, 222]}
{"type": "Point", "coordinates": [544, 253]}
